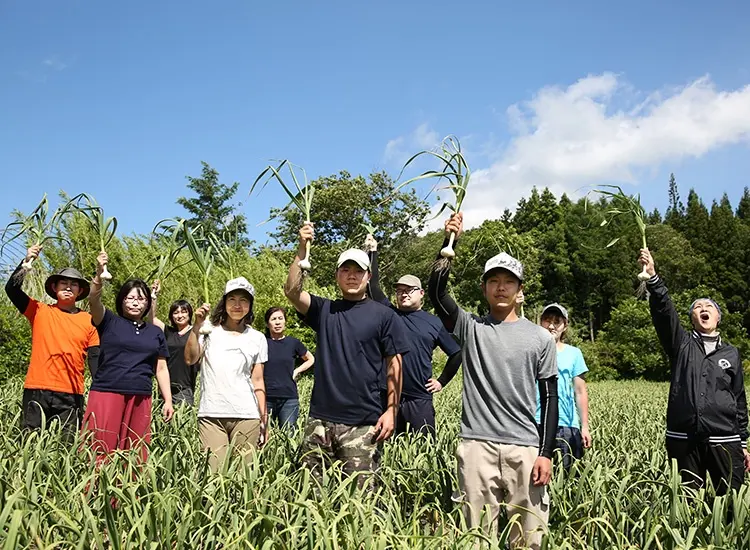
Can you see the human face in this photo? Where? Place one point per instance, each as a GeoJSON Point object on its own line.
{"type": "Point", "coordinates": [352, 280]}
{"type": "Point", "coordinates": [237, 305]}
{"type": "Point", "coordinates": [134, 304]}
{"type": "Point", "coordinates": [409, 298]}
{"type": "Point", "coordinates": [181, 317]}
{"type": "Point", "coordinates": [67, 291]}
{"type": "Point", "coordinates": [277, 323]}
{"type": "Point", "coordinates": [555, 324]}
{"type": "Point", "coordinates": [705, 317]}
{"type": "Point", "coordinates": [501, 289]}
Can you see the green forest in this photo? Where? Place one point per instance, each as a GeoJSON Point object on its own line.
{"type": "Point", "coordinates": [700, 250]}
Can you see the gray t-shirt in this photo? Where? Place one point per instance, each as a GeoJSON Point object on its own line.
{"type": "Point", "coordinates": [502, 363]}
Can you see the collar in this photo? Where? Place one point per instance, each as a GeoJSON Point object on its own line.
{"type": "Point", "coordinates": [698, 336]}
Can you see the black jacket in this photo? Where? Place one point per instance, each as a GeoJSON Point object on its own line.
{"type": "Point", "coordinates": [707, 391]}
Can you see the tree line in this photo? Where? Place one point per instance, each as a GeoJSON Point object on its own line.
{"type": "Point", "coordinates": [699, 251]}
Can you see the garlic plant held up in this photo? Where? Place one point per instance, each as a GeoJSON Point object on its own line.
{"type": "Point", "coordinates": [301, 197]}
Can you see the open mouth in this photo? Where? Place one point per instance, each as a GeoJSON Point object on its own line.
{"type": "Point", "coordinates": [704, 316]}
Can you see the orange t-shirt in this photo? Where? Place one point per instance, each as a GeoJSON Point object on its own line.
{"type": "Point", "coordinates": [59, 343]}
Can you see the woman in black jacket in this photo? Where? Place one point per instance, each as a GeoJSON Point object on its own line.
{"type": "Point", "coordinates": [707, 408]}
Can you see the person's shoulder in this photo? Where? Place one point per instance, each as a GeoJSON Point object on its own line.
{"type": "Point", "coordinates": [540, 332]}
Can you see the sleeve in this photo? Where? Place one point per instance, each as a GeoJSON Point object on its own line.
{"type": "Point", "coordinates": [740, 395]}
{"type": "Point", "coordinates": [299, 348]}
{"type": "Point", "coordinates": [92, 357]}
{"type": "Point", "coordinates": [451, 369]}
{"type": "Point", "coordinates": [550, 413]}
{"type": "Point", "coordinates": [579, 367]}
{"type": "Point", "coordinates": [437, 289]}
{"type": "Point", "coordinates": [547, 365]}
{"type": "Point", "coordinates": [14, 290]}
{"type": "Point", "coordinates": [373, 287]}
{"type": "Point", "coordinates": [312, 318]}
{"type": "Point", "coordinates": [106, 321]}
{"type": "Point", "coordinates": [262, 356]}
{"type": "Point", "coordinates": [392, 334]}
{"type": "Point", "coordinates": [447, 343]}
{"type": "Point", "coordinates": [163, 348]}
{"type": "Point", "coordinates": [664, 317]}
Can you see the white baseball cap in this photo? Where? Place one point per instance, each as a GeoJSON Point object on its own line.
{"type": "Point", "coordinates": [409, 280]}
{"type": "Point", "coordinates": [504, 261]}
{"type": "Point", "coordinates": [558, 307]}
{"type": "Point", "coordinates": [355, 255]}
{"type": "Point", "coordinates": [240, 283]}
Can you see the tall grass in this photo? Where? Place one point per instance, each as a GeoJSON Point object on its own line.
{"type": "Point", "coordinates": [622, 494]}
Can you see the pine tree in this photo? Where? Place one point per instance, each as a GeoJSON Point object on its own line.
{"type": "Point", "coordinates": [675, 215]}
{"type": "Point", "coordinates": [212, 207]}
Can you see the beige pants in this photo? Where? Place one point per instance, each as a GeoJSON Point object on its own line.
{"type": "Point", "coordinates": [216, 434]}
{"type": "Point", "coordinates": [491, 474]}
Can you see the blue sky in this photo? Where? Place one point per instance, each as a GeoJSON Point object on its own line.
{"type": "Point", "coordinates": [124, 99]}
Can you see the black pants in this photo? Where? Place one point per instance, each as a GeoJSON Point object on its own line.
{"type": "Point", "coordinates": [724, 462]}
{"type": "Point", "coordinates": [415, 415]}
{"type": "Point", "coordinates": [42, 407]}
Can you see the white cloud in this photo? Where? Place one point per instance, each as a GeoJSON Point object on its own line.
{"type": "Point", "coordinates": [398, 150]}
{"type": "Point", "coordinates": [599, 130]}
{"type": "Point", "coordinates": [55, 63]}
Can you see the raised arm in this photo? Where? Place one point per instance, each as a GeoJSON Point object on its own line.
{"type": "Point", "coordinates": [373, 287]}
{"type": "Point", "coordinates": [193, 349]}
{"type": "Point", "coordinates": [663, 313]}
{"type": "Point", "coordinates": [299, 298]}
{"type": "Point", "coordinates": [387, 421]}
{"type": "Point", "coordinates": [14, 286]}
{"type": "Point", "coordinates": [152, 318]}
{"type": "Point", "coordinates": [437, 288]}
{"type": "Point", "coordinates": [95, 296]}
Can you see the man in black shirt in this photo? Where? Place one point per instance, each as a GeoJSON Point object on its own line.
{"type": "Point", "coordinates": [425, 333]}
{"type": "Point", "coordinates": [357, 339]}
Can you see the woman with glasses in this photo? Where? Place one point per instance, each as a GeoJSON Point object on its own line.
{"type": "Point", "coordinates": [182, 376]}
{"type": "Point", "coordinates": [118, 413]}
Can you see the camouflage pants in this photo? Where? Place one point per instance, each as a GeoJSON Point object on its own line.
{"type": "Point", "coordinates": [354, 446]}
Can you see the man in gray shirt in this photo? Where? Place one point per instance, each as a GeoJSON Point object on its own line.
{"type": "Point", "coordinates": [502, 457]}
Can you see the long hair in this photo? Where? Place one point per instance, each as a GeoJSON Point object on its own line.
{"type": "Point", "coordinates": [125, 289]}
{"type": "Point", "coordinates": [177, 304]}
{"type": "Point", "coordinates": [270, 311]}
{"type": "Point", "coordinates": [219, 314]}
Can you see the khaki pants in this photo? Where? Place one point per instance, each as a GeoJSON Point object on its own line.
{"type": "Point", "coordinates": [216, 434]}
{"type": "Point", "coordinates": [491, 474]}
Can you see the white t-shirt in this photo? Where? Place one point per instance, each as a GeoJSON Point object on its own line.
{"type": "Point", "coordinates": [226, 386]}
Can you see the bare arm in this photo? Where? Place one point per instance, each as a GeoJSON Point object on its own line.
{"type": "Point", "coordinates": [95, 296]}
{"type": "Point", "coordinates": [162, 379]}
{"type": "Point", "coordinates": [582, 402]}
{"type": "Point", "coordinates": [259, 386]}
{"type": "Point", "coordinates": [193, 349]}
{"type": "Point", "coordinates": [309, 361]}
{"type": "Point", "coordinates": [387, 422]}
{"type": "Point", "coordinates": [299, 298]}
{"type": "Point", "coordinates": [152, 318]}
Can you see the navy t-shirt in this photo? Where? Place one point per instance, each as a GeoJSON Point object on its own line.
{"type": "Point", "coordinates": [425, 332]}
{"type": "Point", "coordinates": [354, 338]}
{"type": "Point", "coordinates": [128, 353]}
{"type": "Point", "coordinates": [278, 370]}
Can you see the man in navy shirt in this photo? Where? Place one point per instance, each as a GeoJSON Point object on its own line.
{"type": "Point", "coordinates": [425, 333]}
{"type": "Point", "coordinates": [360, 343]}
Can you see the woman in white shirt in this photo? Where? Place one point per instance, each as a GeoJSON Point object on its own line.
{"type": "Point", "coordinates": [232, 407]}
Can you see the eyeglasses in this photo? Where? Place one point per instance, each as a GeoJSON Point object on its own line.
{"type": "Point", "coordinates": [405, 291]}
{"type": "Point", "coordinates": [135, 298]}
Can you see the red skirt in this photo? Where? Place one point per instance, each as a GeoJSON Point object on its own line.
{"type": "Point", "coordinates": [116, 421]}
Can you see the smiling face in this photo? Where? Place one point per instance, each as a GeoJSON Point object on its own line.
{"type": "Point", "coordinates": [409, 298]}
{"type": "Point", "coordinates": [181, 317]}
{"type": "Point", "coordinates": [134, 304]}
{"type": "Point", "coordinates": [501, 289]}
{"type": "Point", "coordinates": [276, 323]}
{"type": "Point", "coordinates": [555, 323]}
{"type": "Point", "coordinates": [238, 305]}
{"type": "Point", "coordinates": [705, 317]}
{"type": "Point", "coordinates": [67, 291]}
{"type": "Point", "coordinates": [352, 280]}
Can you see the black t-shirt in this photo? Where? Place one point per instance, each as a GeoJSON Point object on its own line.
{"type": "Point", "coordinates": [278, 370]}
{"type": "Point", "coordinates": [425, 332]}
{"type": "Point", "coordinates": [354, 338]}
{"type": "Point", "coordinates": [181, 375]}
